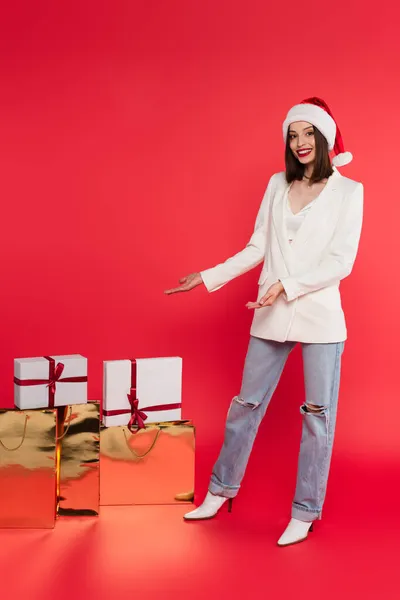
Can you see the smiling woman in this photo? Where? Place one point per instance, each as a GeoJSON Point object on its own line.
{"type": "Point", "coordinates": [306, 235]}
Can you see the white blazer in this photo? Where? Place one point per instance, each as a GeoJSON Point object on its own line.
{"type": "Point", "coordinates": [310, 268]}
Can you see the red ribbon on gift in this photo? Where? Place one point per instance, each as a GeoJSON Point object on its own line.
{"type": "Point", "coordinates": [55, 372]}
{"type": "Point", "coordinates": [138, 415]}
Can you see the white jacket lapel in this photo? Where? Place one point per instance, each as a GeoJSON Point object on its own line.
{"type": "Point", "coordinates": [278, 217]}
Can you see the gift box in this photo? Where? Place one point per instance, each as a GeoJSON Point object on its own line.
{"type": "Point", "coordinates": [138, 390]}
{"type": "Point", "coordinates": [28, 468]}
{"type": "Point", "coordinates": [78, 454]}
{"type": "Point", "coordinates": [155, 465]}
{"type": "Point", "coordinates": [48, 381]}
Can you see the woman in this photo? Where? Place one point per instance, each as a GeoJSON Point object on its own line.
{"type": "Point", "coordinates": [306, 234]}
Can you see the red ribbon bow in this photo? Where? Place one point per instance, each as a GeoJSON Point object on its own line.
{"type": "Point", "coordinates": [138, 416]}
{"type": "Point", "coordinates": [54, 375]}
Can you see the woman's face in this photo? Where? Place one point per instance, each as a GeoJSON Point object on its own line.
{"type": "Point", "coordinates": [302, 141]}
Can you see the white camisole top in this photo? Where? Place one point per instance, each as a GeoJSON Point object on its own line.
{"type": "Point", "coordinates": [293, 221]}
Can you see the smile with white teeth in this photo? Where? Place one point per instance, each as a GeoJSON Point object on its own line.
{"type": "Point", "coordinates": [304, 152]}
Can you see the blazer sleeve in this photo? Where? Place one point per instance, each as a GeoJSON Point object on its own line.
{"type": "Point", "coordinates": [338, 263]}
{"type": "Point", "coordinates": [248, 258]}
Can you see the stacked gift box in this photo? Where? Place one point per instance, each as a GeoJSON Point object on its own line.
{"type": "Point", "coordinates": [57, 459]}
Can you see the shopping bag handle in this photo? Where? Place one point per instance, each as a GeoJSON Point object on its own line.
{"type": "Point", "coordinates": [21, 442]}
{"type": "Point", "coordinates": [135, 454]}
{"type": "Point", "coordinates": [67, 427]}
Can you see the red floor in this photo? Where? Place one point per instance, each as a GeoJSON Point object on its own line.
{"type": "Point", "coordinates": [149, 552]}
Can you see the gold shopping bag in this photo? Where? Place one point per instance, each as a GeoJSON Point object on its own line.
{"type": "Point", "coordinates": [78, 452]}
{"type": "Point", "coordinates": [28, 468]}
{"type": "Point", "coordinates": [151, 466]}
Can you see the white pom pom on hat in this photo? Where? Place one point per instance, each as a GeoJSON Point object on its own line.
{"type": "Point", "coordinates": [315, 111]}
{"type": "Point", "coordinates": [342, 159]}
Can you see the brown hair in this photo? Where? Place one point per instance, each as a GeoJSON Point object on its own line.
{"type": "Point", "coordinates": [322, 164]}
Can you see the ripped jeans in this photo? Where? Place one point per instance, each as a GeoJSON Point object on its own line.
{"type": "Point", "coordinates": [264, 364]}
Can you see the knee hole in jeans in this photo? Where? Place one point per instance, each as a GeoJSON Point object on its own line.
{"type": "Point", "coordinates": [245, 403]}
{"type": "Point", "coordinates": [313, 409]}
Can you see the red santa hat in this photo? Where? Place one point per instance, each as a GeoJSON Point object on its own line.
{"type": "Point", "coordinates": [316, 111]}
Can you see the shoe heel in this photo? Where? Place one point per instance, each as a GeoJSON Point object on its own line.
{"type": "Point", "coordinates": [230, 501]}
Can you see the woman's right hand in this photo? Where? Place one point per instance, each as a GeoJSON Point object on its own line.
{"type": "Point", "coordinates": [187, 283]}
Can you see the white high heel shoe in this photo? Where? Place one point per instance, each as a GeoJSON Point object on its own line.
{"type": "Point", "coordinates": [295, 532]}
{"type": "Point", "coordinates": [209, 508]}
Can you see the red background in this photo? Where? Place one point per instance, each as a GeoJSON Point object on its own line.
{"type": "Point", "coordinates": [136, 141]}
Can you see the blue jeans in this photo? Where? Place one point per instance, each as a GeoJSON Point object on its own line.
{"type": "Point", "coordinates": [264, 364]}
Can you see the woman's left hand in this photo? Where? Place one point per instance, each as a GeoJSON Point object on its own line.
{"type": "Point", "coordinates": [269, 298]}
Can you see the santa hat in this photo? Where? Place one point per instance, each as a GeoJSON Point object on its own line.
{"type": "Point", "coordinates": [316, 112]}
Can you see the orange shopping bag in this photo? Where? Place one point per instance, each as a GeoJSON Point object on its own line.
{"type": "Point", "coordinates": [151, 466]}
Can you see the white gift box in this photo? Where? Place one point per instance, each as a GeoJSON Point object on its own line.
{"type": "Point", "coordinates": [158, 382]}
{"type": "Point", "coordinates": [37, 394]}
